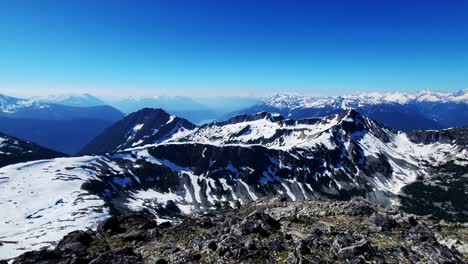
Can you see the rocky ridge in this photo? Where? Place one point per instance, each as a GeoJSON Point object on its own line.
{"type": "Point", "coordinates": [269, 230]}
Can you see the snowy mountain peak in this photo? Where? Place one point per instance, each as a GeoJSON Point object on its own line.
{"type": "Point", "coordinates": [146, 126]}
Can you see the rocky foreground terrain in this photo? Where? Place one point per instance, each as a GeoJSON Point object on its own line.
{"type": "Point", "coordinates": [269, 230]}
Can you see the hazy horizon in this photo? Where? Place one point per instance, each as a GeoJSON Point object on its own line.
{"type": "Point", "coordinates": [32, 94]}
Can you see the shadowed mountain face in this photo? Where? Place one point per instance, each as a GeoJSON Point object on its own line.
{"type": "Point", "coordinates": [147, 126]}
{"type": "Point", "coordinates": [13, 150]}
{"type": "Point", "coordinates": [235, 162]}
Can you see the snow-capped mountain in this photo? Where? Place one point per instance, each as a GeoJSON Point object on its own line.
{"type": "Point", "coordinates": [231, 163]}
{"type": "Point", "coordinates": [80, 100]}
{"type": "Point", "coordinates": [13, 150]}
{"type": "Point", "coordinates": [146, 126]}
{"type": "Point", "coordinates": [405, 111]}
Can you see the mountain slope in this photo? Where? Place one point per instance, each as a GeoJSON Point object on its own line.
{"type": "Point", "coordinates": [146, 126]}
{"type": "Point", "coordinates": [227, 164]}
{"type": "Point", "coordinates": [13, 150]}
{"type": "Point", "coordinates": [404, 111]}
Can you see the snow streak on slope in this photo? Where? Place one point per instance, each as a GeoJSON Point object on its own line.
{"type": "Point", "coordinates": [41, 201]}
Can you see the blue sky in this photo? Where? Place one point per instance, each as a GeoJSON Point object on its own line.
{"type": "Point", "coordinates": [232, 47]}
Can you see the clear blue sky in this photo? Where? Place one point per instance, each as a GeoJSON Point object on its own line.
{"type": "Point", "coordinates": [233, 47]}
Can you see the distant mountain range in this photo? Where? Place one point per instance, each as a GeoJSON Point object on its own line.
{"type": "Point", "coordinates": [404, 111]}
{"type": "Point", "coordinates": [13, 107]}
{"type": "Point", "coordinates": [60, 127]}
{"type": "Point", "coordinates": [165, 167]}
{"type": "Point", "coordinates": [81, 100]}
{"type": "Point", "coordinates": [197, 110]}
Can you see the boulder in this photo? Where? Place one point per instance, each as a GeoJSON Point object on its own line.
{"type": "Point", "coordinates": [383, 221]}
{"type": "Point", "coordinates": [358, 206]}
{"type": "Point", "coordinates": [39, 257]}
{"type": "Point", "coordinates": [75, 243]}
{"type": "Point", "coordinates": [109, 227]}
{"type": "Point", "coordinates": [259, 223]}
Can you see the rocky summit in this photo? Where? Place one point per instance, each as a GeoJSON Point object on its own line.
{"type": "Point", "coordinates": [269, 230]}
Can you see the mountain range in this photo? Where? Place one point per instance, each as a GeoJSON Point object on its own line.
{"type": "Point", "coordinates": [63, 128]}
{"type": "Point", "coordinates": [166, 168]}
{"type": "Point", "coordinates": [81, 100]}
{"type": "Point", "coordinates": [404, 111]}
{"type": "Point", "coordinates": [198, 110]}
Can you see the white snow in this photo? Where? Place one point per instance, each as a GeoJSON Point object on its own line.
{"type": "Point", "coordinates": [252, 194]}
{"type": "Point", "coordinates": [141, 196]}
{"type": "Point", "coordinates": [42, 201]}
{"type": "Point", "coordinates": [288, 191]}
{"type": "Point", "coordinates": [137, 127]}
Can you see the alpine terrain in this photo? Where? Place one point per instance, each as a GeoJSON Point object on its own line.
{"type": "Point", "coordinates": [167, 169]}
